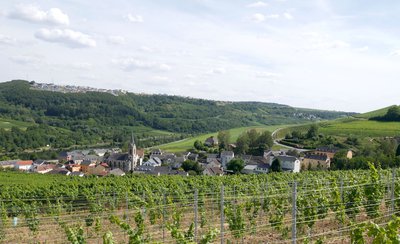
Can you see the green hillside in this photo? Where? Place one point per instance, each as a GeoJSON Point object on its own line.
{"type": "Point", "coordinates": [375, 113]}
{"type": "Point", "coordinates": [68, 119]}
{"type": "Point", "coordinates": [8, 124]}
{"type": "Point", "coordinates": [186, 144]}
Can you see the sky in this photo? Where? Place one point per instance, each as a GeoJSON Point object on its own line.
{"type": "Point", "coordinates": [337, 55]}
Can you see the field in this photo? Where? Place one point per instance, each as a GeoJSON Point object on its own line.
{"type": "Point", "coordinates": [175, 209]}
{"type": "Point", "coordinates": [8, 124]}
{"type": "Point", "coordinates": [351, 127]}
{"type": "Point", "coordinates": [375, 113]}
{"type": "Point", "coordinates": [186, 144]}
{"type": "Point", "coordinates": [361, 128]}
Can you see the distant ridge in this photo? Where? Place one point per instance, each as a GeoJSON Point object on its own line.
{"type": "Point", "coordinates": [374, 113]}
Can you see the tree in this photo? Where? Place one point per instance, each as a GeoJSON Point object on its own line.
{"type": "Point", "coordinates": [223, 139]}
{"type": "Point", "coordinates": [297, 134]}
{"type": "Point", "coordinates": [265, 139]}
{"type": "Point", "coordinates": [198, 145]}
{"type": "Point", "coordinates": [276, 165]}
{"type": "Point", "coordinates": [190, 165]}
{"type": "Point", "coordinates": [313, 131]}
{"type": "Point", "coordinates": [388, 147]}
{"type": "Point", "coordinates": [242, 144]}
{"type": "Point", "coordinates": [393, 114]}
{"type": "Point", "coordinates": [398, 150]}
{"type": "Point", "coordinates": [253, 136]}
{"type": "Point", "coordinates": [236, 165]}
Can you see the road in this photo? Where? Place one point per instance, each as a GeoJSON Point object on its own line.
{"type": "Point", "coordinates": [285, 146]}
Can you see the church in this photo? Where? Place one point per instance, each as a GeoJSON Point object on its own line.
{"type": "Point", "coordinates": [126, 161]}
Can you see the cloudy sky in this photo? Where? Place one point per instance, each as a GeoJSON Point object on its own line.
{"type": "Point", "coordinates": [338, 54]}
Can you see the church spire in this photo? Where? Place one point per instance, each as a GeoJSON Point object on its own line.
{"type": "Point", "coordinates": [132, 140]}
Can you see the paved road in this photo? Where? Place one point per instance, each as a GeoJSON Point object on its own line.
{"type": "Point", "coordinates": [285, 146]}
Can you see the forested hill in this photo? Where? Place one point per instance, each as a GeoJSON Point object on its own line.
{"type": "Point", "coordinates": [91, 116]}
{"type": "Point", "coordinates": [172, 113]}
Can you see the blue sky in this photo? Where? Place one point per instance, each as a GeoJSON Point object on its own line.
{"type": "Point", "coordinates": [338, 55]}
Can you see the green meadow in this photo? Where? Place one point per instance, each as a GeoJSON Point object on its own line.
{"type": "Point", "coordinates": [186, 144]}
{"type": "Point", "coordinates": [8, 124]}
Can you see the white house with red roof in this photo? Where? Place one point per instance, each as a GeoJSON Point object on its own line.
{"type": "Point", "coordinates": [24, 165]}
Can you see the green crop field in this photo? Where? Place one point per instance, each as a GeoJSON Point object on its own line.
{"type": "Point", "coordinates": [362, 128]}
{"type": "Point", "coordinates": [375, 113]}
{"type": "Point", "coordinates": [351, 127]}
{"type": "Point", "coordinates": [8, 124]}
{"type": "Point", "coordinates": [186, 144]}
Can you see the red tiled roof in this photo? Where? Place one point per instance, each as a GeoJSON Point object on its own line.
{"type": "Point", "coordinates": [26, 162]}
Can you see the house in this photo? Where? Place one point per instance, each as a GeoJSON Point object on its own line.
{"type": "Point", "coordinates": [59, 171]}
{"type": "Point", "coordinates": [250, 159]}
{"type": "Point", "coordinates": [96, 170]}
{"type": "Point", "coordinates": [226, 157]}
{"type": "Point", "coordinates": [75, 156]}
{"type": "Point", "coordinates": [74, 167]}
{"type": "Point", "coordinates": [331, 151]}
{"type": "Point", "coordinates": [211, 157]}
{"type": "Point", "coordinates": [213, 171]}
{"type": "Point", "coordinates": [232, 147]}
{"type": "Point", "coordinates": [178, 162]}
{"type": "Point", "coordinates": [100, 152]}
{"type": "Point", "coordinates": [117, 172]}
{"type": "Point", "coordinates": [262, 168]}
{"type": "Point", "coordinates": [125, 161]}
{"type": "Point", "coordinates": [290, 163]}
{"type": "Point", "coordinates": [92, 158]}
{"type": "Point", "coordinates": [143, 168]}
{"type": "Point", "coordinates": [156, 153]}
{"type": "Point", "coordinates": [167, 158]}
{"type": "Point", "coordinates": [211, 141]}
{"type": "Point", "coordinates": [85, 165]}
{"type": "Point", "coordinates": [24, 165]}
{"type": "Point", "coordinates": [249, 169]}
{"type": "Point", "coordinates": [193, 156]}
{"type": "Point", "coordinates": [316, 161]}
{"type": "Point", "coordinates": [44, 168]}
{"type": "Point", "coordinates": [213, 163]}
{"type": "Point", "coordinates": [155, 162]}
{"type": "Point", "coordinates": [8, 164]}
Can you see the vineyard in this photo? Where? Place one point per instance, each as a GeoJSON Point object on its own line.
{"type": "Point", "coordinates": [312, 207]}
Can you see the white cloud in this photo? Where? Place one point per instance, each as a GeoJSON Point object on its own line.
{"type": "Point", "coordinates": [82, 66]}
{"type": "Point", "coordinates": [161, 78]}
{"type": "Point", "coordinates": [131, 64]}
{"type": "Point", "coordinates": [32, 13]}
{"type": "Point", "coordinates": [395, 53]}
{"type": "Point", "coordinates": [363, 49]}
{"type": "Point", "coordinates": [273, 16]}
{"type": "Point", "coordinates": [134, 18]}
{"type": "Point", "coordinates": [190, 76]}
{"type": "Point", "coordinates": [258, 4]}
{"type": "Point", "coordinates": [67, 37]}
{"type": "Point", "coordinates": [217, 71]}
{"type": "Point", "coordinates": [116, 40]}
{"type": "Point", "coordinates": [258, 18]}
{"type": "Point", "coordinates": [7, 40]}
{"type": "Point", "coordinates": [165, 67]}
{"type": "Point", "coordinates": [336, 44]}
{"type": "Point", "coordinates": [25, 59]}
{"type": "Point", "coordinates": [267, 75]}
{"type": "Point", "coordinates": [287, 16]}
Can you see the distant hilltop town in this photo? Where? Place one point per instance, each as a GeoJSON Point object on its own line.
{"type": "Point", "coordinates": [73, 89]}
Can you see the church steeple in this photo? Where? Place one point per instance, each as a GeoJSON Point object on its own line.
{"type": "Point", "coordinates": [133, 157]}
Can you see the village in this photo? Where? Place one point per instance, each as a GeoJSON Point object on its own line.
{"type": "Point", "coordinates": [107, 162]}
